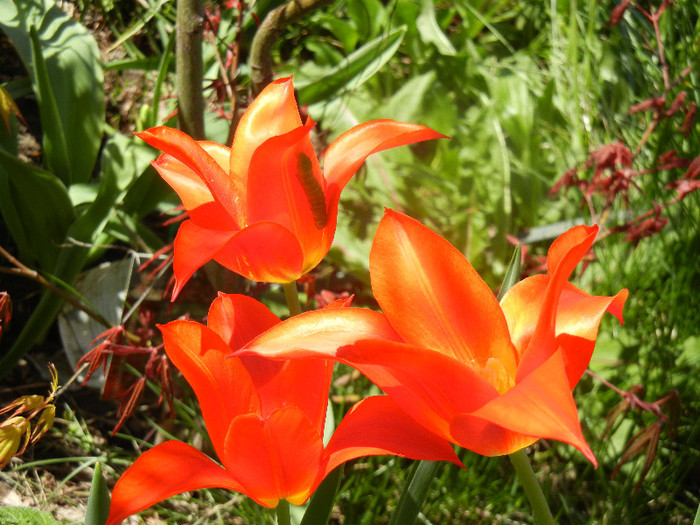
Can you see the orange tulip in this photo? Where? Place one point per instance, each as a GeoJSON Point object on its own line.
{"type": "Point", "coordinates": [263, 208]}
{"type": "Point", "coordinates": [265, 419]}
{"type": "Point", "coordinates": [490, 377]}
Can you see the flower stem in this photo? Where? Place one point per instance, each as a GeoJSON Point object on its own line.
{"type": "Point", "coordinates": [292, 297]}
{"type": "Point", "coordinates": [283, 517]}
{"type": "Point", "coordinates": [533, 491]}
{"type": "Point", "coordinates": [189, 68]}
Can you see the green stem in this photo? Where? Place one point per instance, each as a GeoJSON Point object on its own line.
{"type": "Point", "coordinates": [283, 513]}
{"type": "Point", "coordinates": [533, 491]}
{"type": "Point", "coordinates": [292, 297]}
{"type": "Point", "coordinates": [189, 68]}
{"type": "Point", "coordinates": [275, 22]}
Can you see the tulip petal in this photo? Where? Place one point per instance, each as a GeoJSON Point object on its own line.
{"type": "Point", "coordinates": [300, 383]}
{"type": "Point", "coordinates": [378, 426]}
{"type": "Point", "coordinates": [273, 112]}
{"type": "Point", "coordinates": [578, 313]}
{"type": "Point", "coordinates": [578, 319]}
{"type": "Point", "coordinates": [224, 188]}
{"type": "Point", "coordinates": [265, 252]}
{"type": "Point", "coordinates": [567, 251]}
{"type": "Point", "coordinates": [521, 306]}
{"type": "Point", "coordinates": [275, 458]}
{"type": "Point", "coordinates": [238, 319]}
{"type": "Point", "coordinates": [189, 186]}
{"type": "Point", "coordinates": [222, 384]}
{"type": "Point", "coordinates": [433, 297]}
{"type": "Point", "coordinates": [161, 472]}
{"type": "Point", "coordinates": [303, 383]}
{"type": "Point", "coordinates": [320, 333]}
{"type": "Point", "coordinates": [347, 153]}
{"type": "Point", "coordinates": [286, 186]}
{"type": "Point", "coordinates": [195, 246]}
{"type": "Point", "coordinates": [539, 406]}
{"type": "Point", "coordinates": [429, 386]}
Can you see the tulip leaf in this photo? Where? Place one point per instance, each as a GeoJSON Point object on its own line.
{"type": "Point", "coordinates": [36, 209]}
{"type": "Point", "coordinates": [25, 516]}
{"type": "Point", "coordinates": [63, 61]}
{"type": "Point", "coordinates": [414, 493]}
{"type": "Point", "coordinates": [55, 148]}
{"type": "Point", "coordinates": [98, 502]}
{"type": "Point", "coordinates": [321, 504]}
{"type": "Point", "coordinates": [352, 72]}
{"type": "Point", "coordinates": [512, 273]}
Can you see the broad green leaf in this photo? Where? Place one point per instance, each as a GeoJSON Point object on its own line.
{"type": "Point", "coordinates": [352, 72]}
{"type": "Point", "coordinates": [55, 148]}
{"type": "Point", "coordinates": [73, 67]}
{"type": "Point", "coordinates": [36, 209]}
{"type": "Point", "coordinates": [430, 30]}
{"type": "Point", "coordinates": [98, 502]}
{"type": "Point", "coordinates": [25, 516]}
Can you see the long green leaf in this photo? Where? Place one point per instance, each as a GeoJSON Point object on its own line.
{"type": "Point", "coordinates": [98, 502]}
{"type": "Point", "coordinates": [352, 72]}
{"type": "Point", "coordinates": [55, 148]}
{"type": "Point", "coordinates": [74, 75]}
{"type": "Point", "coordinates": [512, 273]}
{"type": "Point", "coordinates": [414, 493]}
{"type": "Point", "coordinates": [321, 505]}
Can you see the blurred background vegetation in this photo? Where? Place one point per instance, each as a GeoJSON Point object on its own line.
{"type": "Point", "coordinates": [558, 112]}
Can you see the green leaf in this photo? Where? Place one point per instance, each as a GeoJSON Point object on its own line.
{"type": "Point", "coordinates": [75, 77]}
{"type": "Point", "coordinates": [25, 516]}
{"type": "Point", "coordinates": [512, 273]}
{"type": "Point", "coordinates": [352, 72]}
{"type": "Point", "coordinates": [430, 31]}
{"type": "Point", "coordinates": [98, 502]}
{"type": "Point", "coordinates": [414, 493]}
{"type": "Point", "coordinates": [321, 504]}
{"type": "Point", "coordinates": [71, 259]}
{"type": "Point", "coordinates": [55, 149]}
{"type": "Point", "coordinates": [407, 104]}
{"type": "Point", "coordinates": [36, 209]}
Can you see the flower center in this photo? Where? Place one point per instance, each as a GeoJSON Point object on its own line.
{"type": "Point", "coordinates": [495, 373]}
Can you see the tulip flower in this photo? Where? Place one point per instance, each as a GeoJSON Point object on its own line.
{"type": "Point", "coordinates": [264, 208]}
{"type": "Point", "coordinates": [491, 377]}
{"type": "Point", "coordinates": [265, 420]}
